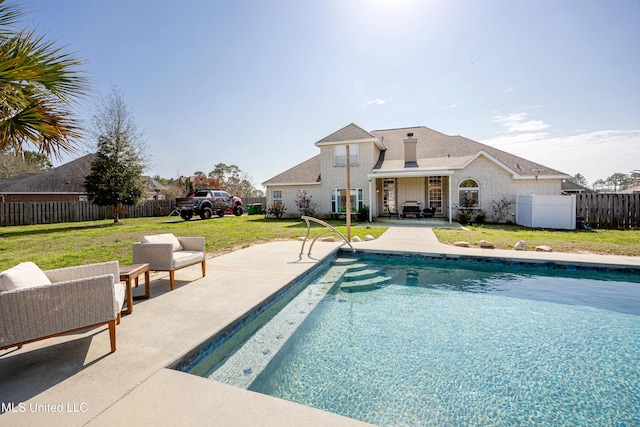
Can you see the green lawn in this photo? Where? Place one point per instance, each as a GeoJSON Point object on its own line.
{"type": "Point", "coordinates": [61, 245]}
{"type": "Point", "coordinates": [611, 242]}
{"type": "Point", "coordinates": [67, 244]}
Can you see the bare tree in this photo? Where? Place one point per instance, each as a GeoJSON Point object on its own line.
{"type": "Point", "coordinates": [29, 162]}
{"type": "Point", "coordinates": [116, 172]}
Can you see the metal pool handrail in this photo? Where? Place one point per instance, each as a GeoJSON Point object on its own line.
{"type": "Point", "coordinates": [332, 230]}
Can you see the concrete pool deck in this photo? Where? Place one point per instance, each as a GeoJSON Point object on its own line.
{"type": "Point", "coordinates": [73, 380]}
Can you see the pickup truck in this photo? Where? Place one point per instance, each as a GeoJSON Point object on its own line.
{"type": "Point", "coordinates": [207, 202]}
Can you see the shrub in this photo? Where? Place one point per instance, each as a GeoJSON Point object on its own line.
{"type": "Point", "coordinates": [305, 205]}
{"type": "Point", "coordinates": [363, 214]}
{"type": "Point", "coordinates": [501, 209]}
{"type": "Point", "coordinates": [277, 209]}
{"type": "Point", "coordinates": [480, 217]}
{"type": "Point", "coordinates": [464, 216]}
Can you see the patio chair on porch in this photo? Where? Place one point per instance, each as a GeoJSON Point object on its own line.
{"type": "Point", "coordinates": [428, 212]}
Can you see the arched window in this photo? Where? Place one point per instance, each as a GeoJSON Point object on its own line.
{"type": "Point", "coordinates": [468, 194]}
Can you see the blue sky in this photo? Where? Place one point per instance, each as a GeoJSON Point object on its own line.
{"type": "Point", "coordinates": [256, 83]}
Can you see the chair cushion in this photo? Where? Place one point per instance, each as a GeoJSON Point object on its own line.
{"type": "Point", "coordinates": [163, 238]}
{"type": "Point", "coordinates": [23, 275]}
{"type": "Point", "coordinates": [184, 258]}
{"type": "Point", "coordinates": [119, 289]}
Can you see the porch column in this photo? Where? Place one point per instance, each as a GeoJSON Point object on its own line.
{"type": "Point", "coordinates": [370, 202]}
{"type": "Point", "coordinates": [450, 201]}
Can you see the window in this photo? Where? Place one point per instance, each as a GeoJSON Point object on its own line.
{"type": "Point", "coordinates": [340, 155]}
{"type": "Point", "coordinates": [339, 200]}
{"type": "Point", "coordinates": [276, 196]}
{"type": "Point", "coordinates": [468, 194]}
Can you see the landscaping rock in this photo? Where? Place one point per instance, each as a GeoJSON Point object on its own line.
{"type": "Point", "coordinates": [543, 248]}
{"type": "Point", "coordinates": [521, 246]}
{"type": "Point", "coordinates": [356, 239]}
{"type": "Point", "coordinates": [461, 244]}
{"type": "Point", "coordinates": [485, 244]}
{"type": "Point", "coordinates": [369, 238]}
{"type": "Point", "coordinates": [329, 239]}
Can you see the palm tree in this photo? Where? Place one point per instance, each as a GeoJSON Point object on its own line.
{"type": "Point", "coordinates": [39, 84]}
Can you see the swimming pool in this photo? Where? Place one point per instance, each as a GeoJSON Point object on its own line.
{"type": "Point", "coordinates": [396, 341]}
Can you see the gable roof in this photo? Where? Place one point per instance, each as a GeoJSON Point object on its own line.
{"type": "Point", "coordinates": [349, 133]}
{"type": "Point", "coordinates": [307, 172]}
{"type": "Point", "coordinates": [437, 150]}
{"type": "Point", "coordinates": [66, 178]}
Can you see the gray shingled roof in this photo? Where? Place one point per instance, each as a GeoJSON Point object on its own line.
{"type": "Point", "coordinates": [67, 178]}
{"type": "Point", "coordinates": [572, 186]}
{"type": "Point", "coordinates": [435, 149]}
{"type": "Point", "coordinates": [351, 132]}
{"type": "Point", "coordinates": [8, 182]}
{"type": "Point", "coordinates": [306, 172]}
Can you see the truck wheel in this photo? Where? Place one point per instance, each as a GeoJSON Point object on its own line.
{"type": "Point", "coordinates": [206, 213]}
{"type": "Point", "coordinates": [186, 215]}
{"type": "Point", "coordinates": [220, 213]}
{"type": "Point", "coordinates": [237, 211]}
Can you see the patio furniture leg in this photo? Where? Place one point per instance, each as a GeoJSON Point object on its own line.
{"type": "Point", "coordinates": [204, 268]}
{"type": "Point", "coordinates": [112, 334]}
{"type": "Point", "coordinates": [171, 278]}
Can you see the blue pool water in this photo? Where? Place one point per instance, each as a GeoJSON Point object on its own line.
{"type": "Point", "coordinates": [398, 342]}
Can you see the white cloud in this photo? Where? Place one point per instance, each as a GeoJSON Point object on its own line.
{"type": "Point", "coordinates": [517, 122]}
{"type": "Point", "coordinates": [509, 89]}
{"type": "Point", "coordinates": [376, 101]}
{"type": "Point", "coordinates": [454, 104]}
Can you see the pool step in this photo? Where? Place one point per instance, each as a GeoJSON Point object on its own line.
{"type": "Point", "coordinates": [345, 261]}
{"type": "Point", "coordinates": [363, 274]}
{"type": "Point", "coordinates": [364, 284]}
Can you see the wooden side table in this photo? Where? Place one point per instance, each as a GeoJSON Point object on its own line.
{"type": "Point", "coordinates": [127, 274]}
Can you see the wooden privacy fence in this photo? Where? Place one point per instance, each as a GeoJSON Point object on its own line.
{"type": "Point", "coordinates": [29, 213]}
{"type": "Point", "coordinates": [598, 210]}
{"type": "Point", "coordinates": [609, 210]}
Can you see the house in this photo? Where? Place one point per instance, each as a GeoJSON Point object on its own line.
{"type": "Point", "coordinates": [632, 190]}
{"type": "Point", "coordinates": [570, 187]}
{"type": "Point", "coordinates": [61, 184]}
{"type": "Point", "coordinates": [416, 166]}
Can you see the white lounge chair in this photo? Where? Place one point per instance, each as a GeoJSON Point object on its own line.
{"type": "Point", "coordinates": [166, 252]}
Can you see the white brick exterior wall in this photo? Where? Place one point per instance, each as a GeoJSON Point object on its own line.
{"type": "Point", "coordinates": [494, 183]}
{"type": "Point", "coordinates": [333, 177]}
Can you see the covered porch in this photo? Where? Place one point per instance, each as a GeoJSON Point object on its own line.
{"type": "Point", "coordinates": [411, 194]}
